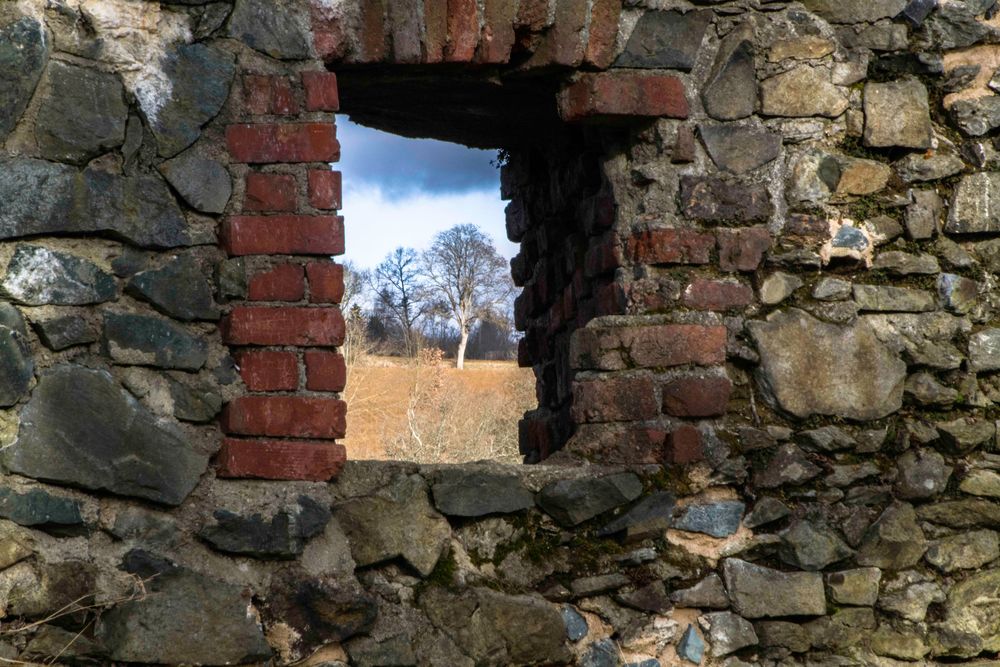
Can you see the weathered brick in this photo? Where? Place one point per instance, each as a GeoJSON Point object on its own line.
{"type": "Point", "coordinates": [619, 444]}
{"type": "Point", "coordinates": [260, 325]}
{"type": "Point", "coordinates": [435, 30]}
{"type": "Point", "coordinates": [268, 370]}
{"type": "Point", "coordinates": [717, 200]}
{"type": "Point", "coordinates": [498, 31]}
{"type": "Point", "coordinates": [743, 249]}
{"type": "Point", "coordinates": [325, 371]}
{"type": "Point", "coordinates": [290, 460]}
{"type": "Point", "coordinates": [717, 295]}
{"type": "Point", "coordinates": [603, 256]}
{"type": "Point", "coordinates": [328, 32]}
{"type": "Point", "coordinates": [283, 235]}
{"type": "Point", "coordinates": [697, 396]}
{"type": "Point", "coordinates": [270, 192]}
{"type": "Point", "coordinates": [326, 282]}
{"type": "Point", "coordinates": [670, 246]}
{"type": "Point", "coordinates": [616, 399]}
{"type": "Point", "coordinates": [604, 17]}
{"type": "Point", "coordinates": [322, 93]}
{"type": "Point", "coordinates": [283, 142]}
{"type": "Point", "coordinates": [684, 445]}
{"type": "Point", "coordinates": [373, 43]}
{"type": "Point", "coordinates": [282, 283]}
{"type": "Point", "coordinates": [325, 189]}
{"type": "Point", "coordinates": [405, 27]}
{"type": "Point", "coordinates": [463, 30]}
{"type": "Point", "coordinates": [655, 346]}
{"type": "Point", "coordinates": [607, 95]}
{"type": "Point", "coordinates": [269, 95]}
{"type": "Point", "coordinates": [533, 15]}
{"type": "Point", "coordinates": [286, 416]}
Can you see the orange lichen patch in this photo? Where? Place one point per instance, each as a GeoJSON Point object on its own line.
{"type": "Point", "coordinates": [986, 56]}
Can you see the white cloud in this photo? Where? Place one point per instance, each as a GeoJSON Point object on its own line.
{"type": "Point", "coordinates": [376, 224]}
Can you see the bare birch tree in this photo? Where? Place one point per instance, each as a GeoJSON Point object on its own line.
{"type": "Point", "coordinates": [469, 277]}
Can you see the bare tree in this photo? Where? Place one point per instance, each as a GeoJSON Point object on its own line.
{"type": "Point", "coordinates": [470, 278]}
{"type": "Point", "coordinates": [355, 285]}
{"type": "Point", "coordinates": [398, 291]}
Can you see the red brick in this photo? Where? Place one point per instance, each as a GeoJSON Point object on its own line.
{"type": "Point", "coordinates": [282, 283]}
{"type": "Point", "coordinates": [373, 46]}
{"type": "Point", "coordinates": [684, 445]}
{"type": "Point", "coordinates": [697, 396]}
{"type": "Point", "coordinates": [269, 95]}
{"type": "Point", "coordinates": [616, 399]}
{"type": "Point", "coordinates": [286, 416]}
{"type": "Point", "coordinates": [603, 256]}
{"type": "Point", "coordinates": [463, 30]}
{"type": "Point", "coordinates": [435, 30]}
{"type": "Point", "coordinates": [270, 192]}
{"type": "Point", "coordinates": [283, 235]}
{"type": "Point", "coordinates": [325, 189]}
{"type": "Point", "coordinates": [290, 460]}
{"type": "Point", "coordinates": [670, 246]}
{"type": "Point", "coordinates": [498, 31]}
{"type": "Point", "coordinates": [717, 295]}
{"type": "Point", "coordinates": [604, 17]}
{"type": "Point", "coordinates": [743, 249]}
{"type": "Point", "coordinates": [328, 32]}
{"type": "Point", "coordinates": [322, 93]}
{"type": "Point", "coordinates": [654, 346]}
{"type": "Point", "coordinates": [608, 95]}
{"type": "Point", "coordinates": [260, 325]}
{"type": "Point", "coordinates": [326, 282]}
{"type": "Point", "coordinates": [610, 300]}
{"type": "Point", "coordinates": [268, 370]}
{"type": "Point", "coordinates": [533, 14]}
{"type": "Point", "coordinates": [325, 371]}
{"type": "Point", "coordinates": [283, 142]}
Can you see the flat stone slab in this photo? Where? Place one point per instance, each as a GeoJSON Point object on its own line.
{"type": "Point", "coordinates": [474, 494]}
{"type": "Point", "coordinates": [760, 592]}
{"type": "Point", "coordinates": [809, 367]}
{"type": "Point", "coordinates": [44, 199]}
{"type": "Point", "coordinates": [81, 428]}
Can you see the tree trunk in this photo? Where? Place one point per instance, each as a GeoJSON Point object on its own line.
{"type": "Point", "coordinates": [460, 358]}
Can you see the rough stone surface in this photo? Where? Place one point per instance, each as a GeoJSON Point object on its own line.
{"type": "Point", "coordinates": [739, 149]}
{"type": "Point", "coordinates": [965, 551]}
{"type": "Point", "coordinates": [718, 519]}
{"type": "Point", "coordinates": [204, 184]}
{"type": "Point", "coordinates": [854, 587]}
{"type": "Point", "coordinates": [45, 198]}
{"type": "Point", "coordinates": [895, 541]}
{"type": "Point", "coordinates": [398, 523]}
{"type": "Point", "coordinates": [179, 289]}
{"type": "Point", "coordinates": [727, 632]}
{"type": "Point", "coordinates": [730, 93]}
{"type": "Point", "coordinates": [24, 52]}
{"type": "Point", "coordinates": [83, 114]}
{"type": "Point", "coordinates": [760, 592]}
{"type": "Point", "coordinates": [975, 208]}
{"type": "Point", "coordinates": [897, 114]}
{"type": "Point", "coordinates": [283, 536]}
{"type": "Point", "coordinates": [17, 368]}
{"type": "Point", "coordinates": [460, 493]}
{"type": "Point", "coordinates": [125, 451]}
{"type": "Point", "coordinates": [803, 358]}
{"type": "Point", "coordinates": [167, 626]}
{"type": "Point", "coordinates": [802, 92]}
{"type": "Point", "coordinates": [200, 76]}
{"type": "Point", "coordinates": [60, 333]}
{"type": "Point", "coordinates": [273, 28]}
{"type": "Point", "coordinates": [37, 276]}
{"type": "Point", "coordinates": [665, 40]}
{"type": "Point", "coordinates": [571, 502]}
{"type": "Point", "coordinates": [151, 341]}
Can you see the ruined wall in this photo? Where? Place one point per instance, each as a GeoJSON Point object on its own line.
{"type": "Point", "coordinates": [758, 293]}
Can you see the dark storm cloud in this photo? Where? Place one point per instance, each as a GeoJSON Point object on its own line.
{"type": "Point", "coordinates": [407, 166]}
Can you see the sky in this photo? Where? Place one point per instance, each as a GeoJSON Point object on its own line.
{"type": "Point", "coordinates": [400, 192]}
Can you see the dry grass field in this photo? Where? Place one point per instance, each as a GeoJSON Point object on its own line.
{"type": "Point", "coordinates": [425, 410]}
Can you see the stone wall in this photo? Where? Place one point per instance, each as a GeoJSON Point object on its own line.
{"type": "Point", "coordinates": [758, 264]}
